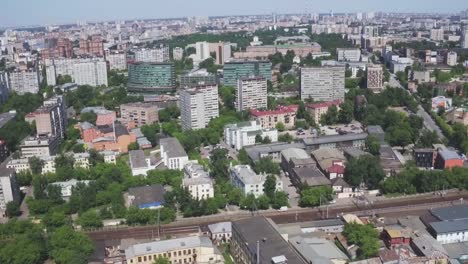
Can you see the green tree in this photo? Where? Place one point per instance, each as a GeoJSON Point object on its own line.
{"type": "Point", "coordinates": [63, 79]}
{"type": "Point", "coordinates": [373, 145]}
{"type": "Point", "coordinates": [90, 219]}
{"type": "Point", "coordinates": [55, 219]}
{"type": "Point", "coordinates": [266, 165]}
{"type": "Point", "coordinates": [427, 139]}
{"type": "Point", "coordinates": [73, 133]}
{"type": "Point", "coordinates": [280, 199]}
{"type": "Point", "coordinates": [280, 127]}
{"type": "Point", "coordinates": [162, 260]}
{"type": "Point", "coordinates": [331, 117]}
{"type": "Point", "coordinates": [79, 148]}
{"type": "Point", "coordinates": [70, 247]}
{"type": "Point", "coordinates": [312, 196]}
{"type": "Point", "coordinates": [35, 164]}
{"type": "Point", "coordinates": [13, 209]}
{"type": "Point", "coordinates": [286, 137]}
{"type": "Point", "coordinates": [366, 237]}
{"type": "Point", "coordinates": [243, 157]}
{"type": "Point", "coordinates": [346, 113]}
{"type": "Point", "coordinates": [133, 146]}
{"type": "Point", "coordinates": [364, 170]}
{"type": "Point", "coordinates": [269, 187]}
{"type": "Point", "coordinates": [88, 117]}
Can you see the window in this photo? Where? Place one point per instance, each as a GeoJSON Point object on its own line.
{"type": "Point", "coordinates": [185, 252]}
{"type": "Point", "coordinates": [139, 259]}
{"type": "Point", "coordinates": [144, 258]}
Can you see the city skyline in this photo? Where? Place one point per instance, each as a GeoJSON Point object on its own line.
{"type": "Point", "coordinates": [63, 12]}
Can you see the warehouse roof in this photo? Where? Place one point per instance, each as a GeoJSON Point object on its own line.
{"type": "Point", "coordinates": [334, 138]}
{"type": "Point", "coordinates": [451, 213]}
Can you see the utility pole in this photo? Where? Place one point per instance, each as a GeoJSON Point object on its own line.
{"type": "Point", "coordinates": [159, 224]}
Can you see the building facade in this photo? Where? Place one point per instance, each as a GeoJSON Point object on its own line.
{"type": "Point", "coordinates": [93, 73]}
{"type": "Point", "coordinates": [173, 154]}
{"type": "Point", "coordinates": [9, 189]}
{"type": "Point", "coordinates": [198, 105]}
{"type": "Point", "coordinates": [244, 133]}
{"type": "Point", "coordinates": [452, 58]}
{"type": "Point", "coordinates": [234, 70]}
{"type": "Point", "coordinates": [198, 77]}
{"type": "Point", "coordinates": [139, 113]}
{"type": "Point", "coordinates": [117, 61]}
{"type": "Point", "coordinates": [23, 82]}
{"type": "Point", "coordinates": [285, 115]}
{"type": "Point", "coordinates": [323, 83]}
{"type": "Point", "coordinates": [244, 178]}
{"type": "Point", "coordinates": [160, 54]}
{"type": "Point", "coordinates": [177, 53]}
{"type": "Point", "coordinates": [348, 54]}
{"type": "Point", "coordinates": [437, 34]}
{"type": "Point", "coordinates": [197, 181]}
{"type": "Point", "coordinates": [375, 78]}
{"type": "Point", "coordinates": [317, 110]}
{"type": "Point", "coordinates": [251, 93]}
{"type": "Point", "coordinates": [93, 45]}
{"type": "Point", "coordinates": [151, 77]}
{"type": "Point", "coordinates": [40, 146]}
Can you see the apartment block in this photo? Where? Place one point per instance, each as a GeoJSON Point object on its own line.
{"type": "Point", "coordinates": [323, 83]}
{"type": "Point", "coordinates": [197, 181]}
{"type": "Point", "coordinates": [40, 146]}
{"type": "Point", "coordinates": [139, 113]}
{"type": "Point", "coordinates": [4, 87]}
{"type": "Point", "coordinates": [90, 73]}
{"type": "Point", "coordinates": [57, 48]}
{"type": "Point", "coordinates": [160, 54]}
{"type": "Point", "coordinates": [117, 60]}
{"type": "Point", "coordinates": [198, 105]}
{"type": "Point", "coordinates": [23, 82]}
{"type": "Point", "coordinates": [317, 110]}
{"type": "Point", "coordinates": [222, 51]}
{"type": "Point", "coordinates": [452, 58]}
{"type": "Point", "coordinates": [348, 54]}
{"type": "Point", "coordinates": [375, 77]}
{"type": "Point", "coordinates": [93, 45]}
{"type": "Point", "coordinates": [244, 178]}
{"type": "Point", "coordinates": [437, 34]}
{"type": "Point", "coordinates": [177, 53]}
{"type": "Point", "coordinates": [464, 38]}
{"type": "Point", "coordinates": [251, 93]}
{"type": "Point", "coordinates": [49, 120]}
{"type": "Point", "coordinates": [285, 115]}
{"type": "Point", "coordinates": [9, 189]}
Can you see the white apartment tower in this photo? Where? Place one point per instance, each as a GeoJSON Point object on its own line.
{"type": "Point", "coordinates": [375, 77]}
{"type": "Point", "coordinates": [251, 93]}
{"type": "Point", "coordinates": [452, 58]}
{"type": "Point", "coordinates": [198, 106]}
{"type": "Point", "coordinates": [160, 54]}
{"type": "Point", "coordinates": [323, 83]}
{"type": "Point", "coordinates": [93, 73]}
{"type": "Point", "coordinates": [437, 34]}
{"type": "Point", "coordinates": [203, 50]}
{"type": "Point", "coordinates": [9, 190]}
{"type": "Point", "coordinates": [177, 53]}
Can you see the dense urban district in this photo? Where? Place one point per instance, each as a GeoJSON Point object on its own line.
{"type": "Point", "coordinates": [312, 138]}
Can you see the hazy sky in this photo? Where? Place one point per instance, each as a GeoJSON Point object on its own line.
{"type": "Point", "coordinates": [28, 12]}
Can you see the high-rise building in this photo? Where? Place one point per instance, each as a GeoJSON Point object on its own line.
{"type": "Point", "coordinates": [437, 34]}
{"type": "Point", "coordinates": [464, 38]}
{"type": "Point", "coordinates": [371, 31]}
{"type": "Point", "coordinates": [57, 48]}
{"type": "Point", "coordinates": [375, 77]}
{"type": "Point", "coordinates": [92, 46]}
{"type": "Point", "coordinates": [198, 105]}
{"type": "Point", "coordinates": [251, 93]}
{"type": "Point", "coordinates": [93, 73]}
{"type": "Point", "coordinates": [4, 87]}
{"type": "Point", "coordinates": [88, 71]}
{"type": "Point", "coordinates": [222, 51]}
{"type": "Point", "coordinates": [59, 101]}
{"type": "Point", "coordinates": [234, 70]}
{"type": "Point", "coordinates": [139, 113]}
{"type": "Point", "coordinates": [9, 189]}
{"type": "Point", "coordinates": [151, 77]}
{"type": "Point", "coordinates": [117, 60]}
{"type": "Point", "coordinates": [177, 53]}
{"type": "Point", "coordinates": [348, 54]}
{"type": "Point", "coordinates": [49, 120]}
{"type": "Point", "coordinates": [452, 58]}
{"type": "Point", "coordinates": [202, 50]}
{"type": "Point", "coordinates": [160, 54]}
{"type": "Point", "coordinates": [198, 77]}
{"type": "Point", "coordinates": [24, 81]}
{"type": "Point", "coordinates": [323, 83]}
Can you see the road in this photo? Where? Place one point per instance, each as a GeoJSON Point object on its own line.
{"type": "Point", "coordinates": [428, 121]}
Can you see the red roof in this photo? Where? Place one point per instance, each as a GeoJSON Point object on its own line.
{"type": "Point", "coordinates": [279, 110]}
{"type": "Point", "coordinates": [336, 169]}
{"type": "Point", "coordinates": [324, 104]}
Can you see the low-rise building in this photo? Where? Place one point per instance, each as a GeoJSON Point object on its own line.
{"type": "Point", "coordinates": [173, 154]}
{"type": "Point", "coordinates": [193, 249]}
{"type": "Point", "coordinates": [329, 158]}
{"type": "Point", "coordinates": [140, 164]}
{"type": "Point", "coordinates": [318, 250]}
{"type": "Point", "coordinates": [424, 157]}
{"type": "Point", "coordinates": [66, 187]}
{"type": "Point", "coordinates": [439, 102]}
{"type": "Point", "coordinates": [9, 189]}
{"type": "Point", "coordinates": [145, 197]}
{"type": "Point", "coordinates": [40, 146]}
{"type": "Point", "coordinates": [197, 181]}
{"type": "Point", "coordinates": [244, 133]}
{"type": "Point", "coordinates": [81, 160]}
{"type": "Point", "coordinates": [110, 156]}
{"type": "Point", "coordinates": [310, 177]}
{"type": "Point", "coordinates": [220, 232]}
{"type": "Point", "coordinates": [447, 159]}
{"type": "Point", "coordinates": [336, 141]}
{"type": "Point", "coordinates": [139, 113]}
{"type": "Point", "coordinates": [272, 150]}
{"type": "Point", "coordinates": [244, 178]}
{"type": "Point", "coordinates": [317, 110]}
{"type": "Point", "coordinates": [285, 115]}
{"type": "Point", "coordinates": [296, 158]}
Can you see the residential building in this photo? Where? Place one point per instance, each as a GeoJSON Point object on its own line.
{"type": "Point", "coordinates": [285, 115]}
{"type": "Point", "coordinates": [222, 51]}
{"type": "Point", "coordinates": [464, 38]}
{"type": "Point", "coordinates": [447, 159]}
{"type": "Point", "coordinates": [4, 151]}
{"type": "Point", "coordinates": [173, 154]}
{"type": "Point", "coordinates": [322, 83]}
{"type": "Point", "coordinates": [145, 197]}
{"type": "Point", "coordinates": [57, 48]}
{"type": "Point", "coordinates": [328, 160]}
{"type": "Point", "coordinates": [117, 60]}
{"type": "Point", "coordinates": [160, 54]}
{"type": "Point", "coordinates": [437, 34]}
{"type": "Point", "coordinates": [348, 54]}
{"type": "Point", "coordinates": [198, 105]}
{"type": "Point", "coordinates": [220, 232]}
{"type": "Point", "coordinates": [263, 51]}
{"type": "Point", "coordinates": [151, 77]}
{"type": "Point", "coordinates": [104, 117]}
{"type": "Point", "coordinates": [114, 137]}
{"type": "Point", "coordinates": [50, 120]}
{"type": "Point", "coordinates": [192, 249]}
{"type": "Point", "coordinates": [9, 189]}
{"type": "Point", "coordinates": [177, 53]}
{"type": "Point", "coordinates": [110, 156]}
{"type": "Point", "coordinates": [139, 113]}
{"type": "Point", "coordinates": [93, 45]}
{"type": "Point", "coordinates": [66, 187]}
{"type": "Point", "coordinates": [40, 146]}
{"type": "Point", "coordinates": [62, 112]}
{"type": "Point", "coordinates": [458, 115]}
{"type": "Point", "coordinates": [236, 69]}
{"type": "Point", "coordinates": [197, 181]}
{"type": "Point", "coordinates": [23, 82]}
{"type": "Point", "coordinates": [424, 157]}
{"type": "Point", "coordinates": [452, 58]}
{"type": "Point", "coordinates": [256, 240]}
{"type": "Point", "coordinates": [202, 51]}
{"type": "Point", "coordinates": [251, 93]}
{"type": "Point", "coordinates": [140, 164]}
{"type": "Point", "coordinates": [244, 178]}
{"type": "Point", "coordinates": [317, 110]}
{"type": "Point", "coordinates": [198, 77]}
{"type": "Point", "coordinates": [4, 87]}
{"type": "Point", "coordinates": [336, 141]}
{"type": "Point", "coordinates": [93, 73]}
{"type": "Point", "coordinates": [81, 160]}
{"type": "Point", "coordinates": [375, 77]}
{"type": "Point", "coordinates": [244, 133]}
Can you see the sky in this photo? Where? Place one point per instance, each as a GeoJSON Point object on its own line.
{"type": "Point", "coordinates": [44, 12]}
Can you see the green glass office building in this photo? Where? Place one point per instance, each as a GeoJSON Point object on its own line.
{"type": "Point", "coordinates": [235, 70]}
{"type": "Point", "coordinates": [156, 78]}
